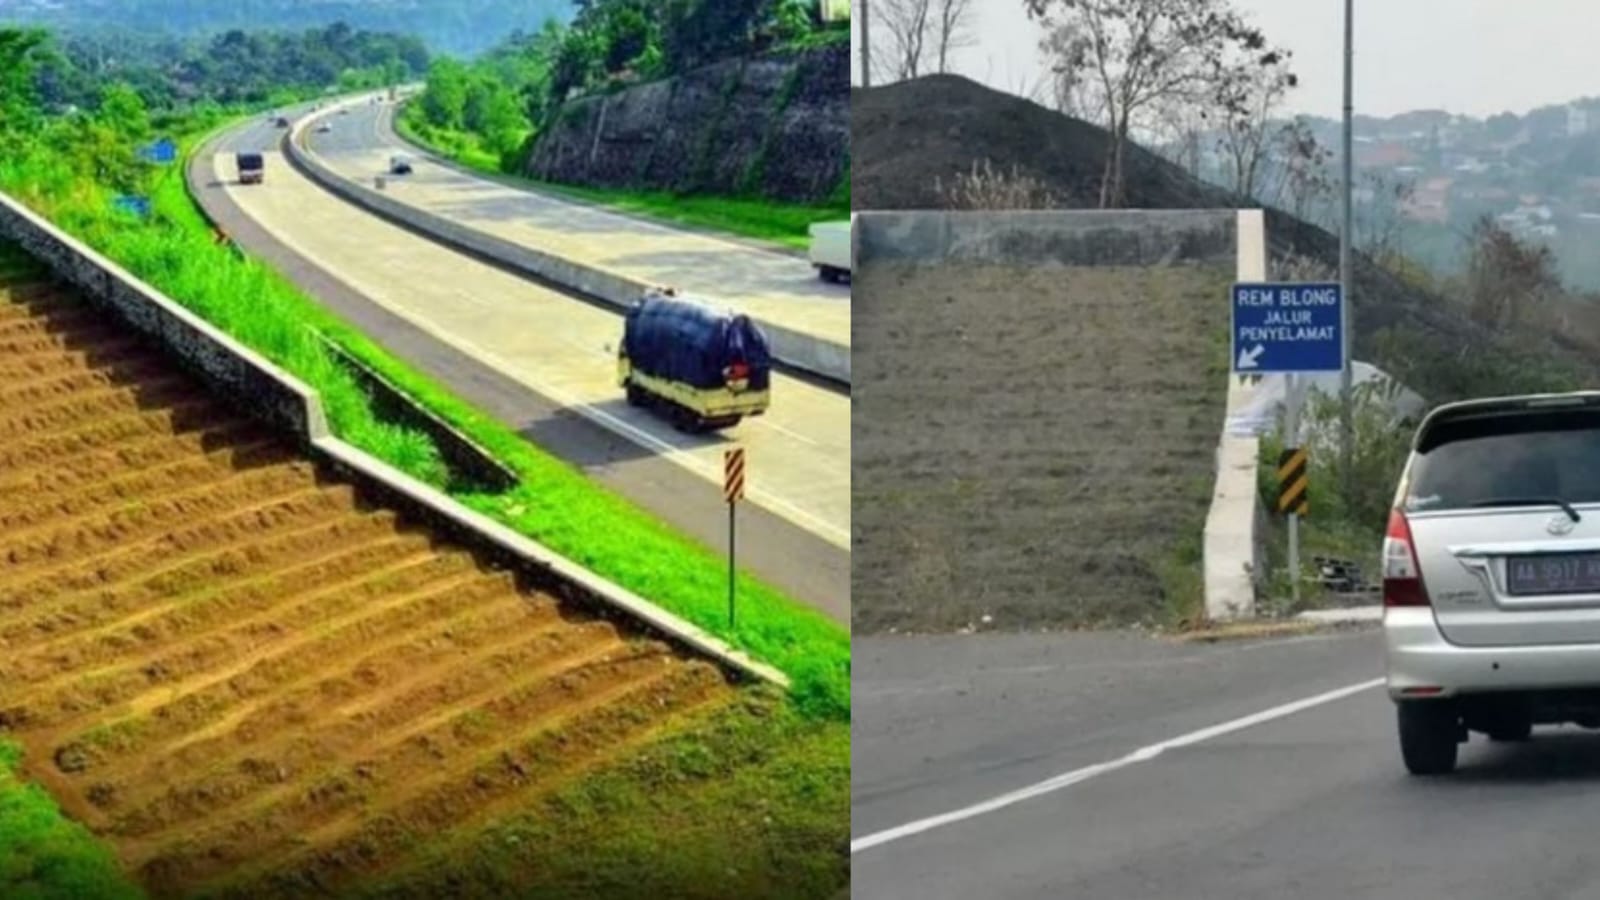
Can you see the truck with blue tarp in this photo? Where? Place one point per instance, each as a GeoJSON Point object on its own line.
{"type": "Point", "coordinates": [703, 368]}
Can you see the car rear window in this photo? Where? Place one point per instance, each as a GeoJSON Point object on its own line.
{"type": "Point", "coordinates": [1547, 454]}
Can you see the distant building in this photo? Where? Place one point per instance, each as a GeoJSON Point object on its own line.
{"type": "Point", "coordinates": [1577, 120]}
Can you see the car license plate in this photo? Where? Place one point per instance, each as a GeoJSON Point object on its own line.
{"type": "Point", "coordinates": [1553, 573]}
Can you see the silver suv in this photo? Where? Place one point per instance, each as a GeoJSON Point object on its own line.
{"type": "Point", "coordinates": [1491, 575]}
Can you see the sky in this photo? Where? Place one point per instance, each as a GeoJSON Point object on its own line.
{"type": "Point", "coordinates": [1472, 57]}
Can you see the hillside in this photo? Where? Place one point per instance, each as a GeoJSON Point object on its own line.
{"type": "Point", "coordinates": [460, 27]}
{"type": "Point", "coordinates": [775, 125]}
{"type": "Point", "coordinates": [905, 137]}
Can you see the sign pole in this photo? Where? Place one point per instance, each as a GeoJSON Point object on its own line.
{"type": "Point", "coordinates": [1291, 435]}
{"type": "Point", "coordinates": [732, 492]}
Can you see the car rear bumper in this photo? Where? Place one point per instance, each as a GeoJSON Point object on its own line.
{"type": "Point", "coordinates": [1420, 659]}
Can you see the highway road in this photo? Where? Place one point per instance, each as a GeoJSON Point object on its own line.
{"type": "Point", "coordinates": [1152, 769]}
{"type": "Point", "coordinates": [778, 287]}
{"type": "Point", "coordinates": [543, 361]}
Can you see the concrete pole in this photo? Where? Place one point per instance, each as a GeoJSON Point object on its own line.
{"type": "Point", "coordinates": [866, 46]}
{"type": "Point", "coordinates": [1346, 414]}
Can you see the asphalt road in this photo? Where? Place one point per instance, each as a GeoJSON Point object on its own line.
{"type": "Point", "coordinates": [1311, 803]}
{"type": "Point", "coordinates": [328, 249]}
{"type": "Point", "coordinates": [779, 287]}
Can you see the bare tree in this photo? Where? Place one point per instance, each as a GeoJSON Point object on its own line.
{"type": "Point", "coordinates": [1506, 277]}
{"type": "Point", "coordinates": [906, 22]}
{"type": "Point", "coordinates": [1069, 91]}
{"type": "Point", "coordinates": [1379, 216]}
{"type": "Point", "coordinates": [1132, 53]}
{"type": "Point", "coordinates": [952, 23]}
{"type": "Point", "coordinates": [1306, 178]}
{"type": "Point", "coordinates": [1246, 129]}
{"type": "Point", "coordinates": [1179, 130]}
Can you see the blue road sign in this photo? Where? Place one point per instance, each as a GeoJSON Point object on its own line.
{"type": "Point", "coordinates": [1287, 328]}
{"type": "Point", "coordinates": [162, 151]}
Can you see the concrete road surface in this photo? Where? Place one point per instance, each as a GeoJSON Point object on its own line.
{"type": "Point", "coordinates": [772, 286]}
{"type": "Point", "coordinates": [1238, 770]}
{"type": "Point", "coordinates": [544, 362]}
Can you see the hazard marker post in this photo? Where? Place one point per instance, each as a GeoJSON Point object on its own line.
{"type": "Point", "coordinates": [732, 492]}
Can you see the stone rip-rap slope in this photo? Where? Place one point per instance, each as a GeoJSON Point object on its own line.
{"type": "Point", "coordinates": [238, 672]}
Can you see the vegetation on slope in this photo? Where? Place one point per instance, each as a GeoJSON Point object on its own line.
{"type": "Point", "coordinates": [43, 854]}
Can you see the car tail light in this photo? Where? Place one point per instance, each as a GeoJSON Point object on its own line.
{"type": "Point", "coordinates": [1402, 577]}
{"type": "Point", "coordinates": [737, 372]}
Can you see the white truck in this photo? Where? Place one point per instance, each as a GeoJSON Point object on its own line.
{"type": "Point", "coordinates": [830, 250]}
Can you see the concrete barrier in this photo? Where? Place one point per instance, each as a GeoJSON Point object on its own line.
{"type": "Point", "coordinates": [807, 353]}
{"type": "Point", "coordinates": [259, 388]}
{"type": "Point", "coordinates": [1235, 523]}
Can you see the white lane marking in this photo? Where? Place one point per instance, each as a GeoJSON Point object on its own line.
{"type": "Point", "coordinates": [1068, 779]}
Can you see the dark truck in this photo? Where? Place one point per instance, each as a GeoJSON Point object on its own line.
{"type": "Point", "coordinates": [702, 368]}
{"type": "Point", "coordinates": [252, 168]}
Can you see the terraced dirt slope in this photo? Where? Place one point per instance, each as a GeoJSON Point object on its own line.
{"type": "Point", "coordinates": [245, 678]}
{"type": "Point", "coordinates": [1033, 444]}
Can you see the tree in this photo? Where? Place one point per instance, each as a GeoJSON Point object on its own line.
{"type": "Point", "coordinates": [1246, 111]}
{"type": "Point", "coordinates": [1130, 54]}
{"type": "Point", "coordinates": [19, 108]}
{"type": "Point", "coordinates": [444, 102]}
{"type": "Point", "coordinates": [1505, 277]}
{"type": "Point", "coordinates": [906, 22]}
{"type": "Point", "coordinates": [952, 24]}
{"type": "Point", "coordinates": [1306, 178]}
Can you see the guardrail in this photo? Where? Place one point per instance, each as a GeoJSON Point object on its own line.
{"type": "Point", "coordinates": [261, 389]}
{"type": "Point", "coordinates": [795, 349]}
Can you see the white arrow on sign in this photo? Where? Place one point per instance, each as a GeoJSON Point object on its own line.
{"type": "Point", "coordinates": [1247, 358]}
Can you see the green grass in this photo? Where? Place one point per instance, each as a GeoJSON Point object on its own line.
{"type": "Point", "coordinates": [43, 854]}
{"type": "Point", "coordinates": [787, 224]}
{"type": "Point", "coordinates": [746, 801]}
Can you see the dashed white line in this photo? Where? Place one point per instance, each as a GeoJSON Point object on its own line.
{"type": "Point", "coordinates": [1068, 779]}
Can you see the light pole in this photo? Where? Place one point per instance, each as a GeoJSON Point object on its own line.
{"type": "Point", "coordinates": [1346, 415]}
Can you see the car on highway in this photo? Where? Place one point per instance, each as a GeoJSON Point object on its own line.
{"type": "Point", "coordinates": [703, 368]}
{"type": "Point", "coordinates": [1491, 575]}
{"type": "Point", "coordinates": [400, 164]}
{"type": "Point", "coordinates": [324, 128]}
{"type": "Point", "coordinates": [281, 122]}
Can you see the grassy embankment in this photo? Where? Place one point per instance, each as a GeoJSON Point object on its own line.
{"type": "Point", "coordinates": [787, 224]}
{"type": "Point", "coordinates": [790, 753]}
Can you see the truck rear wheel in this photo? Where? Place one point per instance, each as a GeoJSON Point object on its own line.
{"type": "Point", "coordinates": [636, 395]}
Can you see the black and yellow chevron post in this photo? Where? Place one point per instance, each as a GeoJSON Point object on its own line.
{"type": "Point", "coordinates": [1294, 480]}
